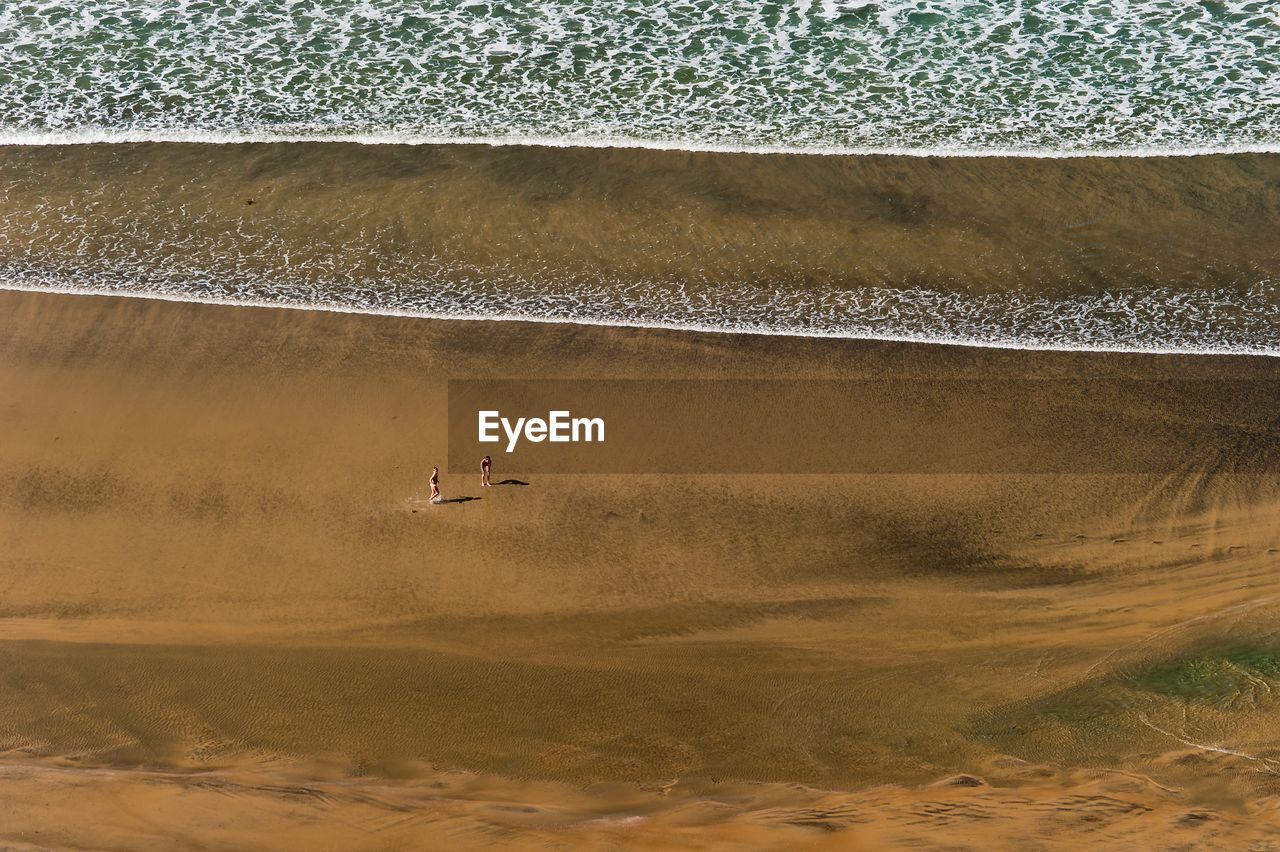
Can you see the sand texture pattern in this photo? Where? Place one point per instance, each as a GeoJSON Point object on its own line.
{"type": "Point", "coordinates": [226, 614]}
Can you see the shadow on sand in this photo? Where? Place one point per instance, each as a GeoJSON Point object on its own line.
{"type": "Point", "coordinates": [511, 482]}
{"type": "Point", "coordinates": [421, 504]}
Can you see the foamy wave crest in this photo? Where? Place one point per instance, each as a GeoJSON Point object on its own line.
{"type": "Point", "coordinates": [1132, 320]}
{"type": "Point", "coordinates": [100, 136]}
{"type": "Point", "coordinates": [1144, 76]}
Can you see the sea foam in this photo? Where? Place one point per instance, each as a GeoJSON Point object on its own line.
{"type": "Point", "coordinates": [1150, 320]}
{"type": "Point", "coordinates": [1029, 78]}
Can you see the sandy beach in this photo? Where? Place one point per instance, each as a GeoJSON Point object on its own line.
{"type": "Point", "coordinates": [880, 402]}
{"type": "Point", "coordinates": [215, 583]}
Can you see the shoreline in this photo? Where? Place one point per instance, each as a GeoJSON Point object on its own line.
{"type": "Point", "coordinates": [1086, 255]}
{"type": "Point", "coordinates": [964, 343]}
{"type": "Point", "coordinates": [100, 136]}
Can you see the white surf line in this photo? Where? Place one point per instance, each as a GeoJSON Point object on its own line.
{"type": "Point", "coordinates": [101, 136]}
{"type": "Point", "coordinates": [1266, 763]}
{"type": "Point", "coordinates": [757, 331]}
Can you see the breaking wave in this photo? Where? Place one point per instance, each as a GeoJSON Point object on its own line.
{"type": "Point", "coordinates": [1032, 76]}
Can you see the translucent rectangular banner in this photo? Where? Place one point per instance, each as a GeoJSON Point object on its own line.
{"type": "Point", "coordinates": [1001, 425]}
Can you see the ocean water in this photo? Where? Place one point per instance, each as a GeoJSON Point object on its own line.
{"type": "Point", "coordinates": [1166, 257]}
{"type": "Point", "coordinates": [1029, 76]}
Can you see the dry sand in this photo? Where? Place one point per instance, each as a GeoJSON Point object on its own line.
{"type": "Point", "coordinates": [223, 625]}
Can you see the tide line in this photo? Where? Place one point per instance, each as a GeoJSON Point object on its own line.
{"type": "Point", "coordinates": [109, 136]}
{"type": "Point", "coordinates": [993, 342]}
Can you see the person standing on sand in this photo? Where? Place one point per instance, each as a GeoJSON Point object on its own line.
{"type": "Point", "coordinates": [435, 485]}
{"type": "Point", "coordinates": [486, 469]}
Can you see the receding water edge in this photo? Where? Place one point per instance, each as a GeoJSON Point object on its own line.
{"type": "Point", "coordinates": [108, 136]}
{"type": "Point", "coordinates": [701, 328]}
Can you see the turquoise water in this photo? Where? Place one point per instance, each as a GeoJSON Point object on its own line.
{"type": "Point", "coordinates": [1034, 76]}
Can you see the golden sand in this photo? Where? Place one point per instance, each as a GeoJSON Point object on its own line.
{"type": "Point", "coordinates": [224, 623]}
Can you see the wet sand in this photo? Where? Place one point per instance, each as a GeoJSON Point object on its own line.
{"type": "Point", "coordinates": [371, 224]}
{"type": "Point", "coordinates": [223, 621]}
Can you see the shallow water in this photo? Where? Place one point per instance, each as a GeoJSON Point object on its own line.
{"type": "Point", "coordinates": [1161, 254]}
